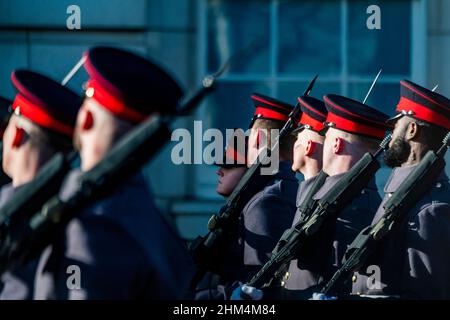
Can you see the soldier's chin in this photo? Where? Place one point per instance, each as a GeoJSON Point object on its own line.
{"type": "Point", "coordinates": [391, 162]}
{"type": "Point", "coordinates": [397, 154]}
{"type": "Point", "coordinates": [396, 157]}
{"type": "Point", "coordinates": [221, 190]}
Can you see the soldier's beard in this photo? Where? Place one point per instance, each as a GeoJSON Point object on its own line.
{"type": "Point", "coordinates": [398, 154]}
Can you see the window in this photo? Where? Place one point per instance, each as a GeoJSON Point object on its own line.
{"type": "Point", "coordinates": [291, 41]}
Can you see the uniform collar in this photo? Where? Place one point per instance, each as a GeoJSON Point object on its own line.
{"type": "Point", "coordinates": [71, 184]}
{"type": "Point", "coordinates": [7, 191]}
{"type": "Point", "coordinates": [7, 187]}
{"type": "Point", "coordinates": [399, 175]}
{"type": "Point", "coordinates": [303, 188]}
{"type": "Point", "coordinates": [332, 180]}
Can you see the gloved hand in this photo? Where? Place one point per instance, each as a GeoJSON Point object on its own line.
{"type": "Point", "coordinates": [245, 292]}
{"type": "Point", "coordinates": [321, 296]}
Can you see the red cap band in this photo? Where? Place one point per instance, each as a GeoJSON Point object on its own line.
{"type": "Point", "coordinates": [307, 119]}
{"type": "Point", "coordinates": [37, 115]}
{"type": "Point", "coordinates": [423, 113]}
{"type": "Point", "coordinates": [116, 106]}
{"type": "Point", "coordinates": [357, 128]}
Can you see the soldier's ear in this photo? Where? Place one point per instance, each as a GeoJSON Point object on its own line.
{"type": "Point", "coordinates": [88, 121]}
{"type": "Point", "coordinates": [338, 145]}
{"type": "Point", "coordinates": [310, 147]}
{"type": "Point", "coordinates": [19, 136]}
{"type": "Point", "coordinates": [412, 130]}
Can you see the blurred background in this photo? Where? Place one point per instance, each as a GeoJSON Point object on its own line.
{"type": "Point", "coordinates": [291, 41]}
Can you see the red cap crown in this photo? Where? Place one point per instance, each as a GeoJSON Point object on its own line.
{"type": "Point", "coordinates": [129, 86]}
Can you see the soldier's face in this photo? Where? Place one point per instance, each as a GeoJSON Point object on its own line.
{"type": "Point", "coordinates": [399, 148]}
{"type": "Point", "coordinates": [300, 150]}
{"type": "Point", "coordinates": [8, 138]}
{"type": "Point", "coordinates": [228, 179]}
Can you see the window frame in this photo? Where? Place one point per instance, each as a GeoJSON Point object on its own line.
{"type": "Point", "coordinates": [202, 187]}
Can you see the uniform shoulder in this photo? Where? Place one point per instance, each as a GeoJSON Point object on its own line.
{"type": "Point", "coordinates": [435, 209]}
{"type": "Point", "coordinates": [436, 200]}
{"type": "Point", "coordinates": [99, 236]}
{"type": "Point", "coordinates": [268, 201]}
{"type": "Point", "coordinates": [284, 188]}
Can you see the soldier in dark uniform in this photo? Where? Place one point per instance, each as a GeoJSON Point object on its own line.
{"type": "Point", "coordinates": [308, 159]}
{"type": "Point", "coordinates": [270, 211]}
{"type": "Point", "coordinates": [414, 261]}
{"type": "Point", "coordinates": [231, 169]}
{"type": "Point", "coordinates": [121, 245]}
{"type": "Point", "coordinates": [42, 123]}
{"type": "Point", "coordinates": [4, 118]}
{"type": "Point", "coordinates": [352, 129]}
{"type": "Point", "coordinates": [4, 114]}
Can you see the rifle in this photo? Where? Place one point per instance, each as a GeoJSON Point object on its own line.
{"type": "Point", "coordinates": [418, 182]}
{"type": "Point", "coordinates": [326, 209]}
{"type": "Point", "coordinates": [24, 240]}
{"type": "Point", "coordinates": [205, 250]}
{"type": "Point", "coordinates": [30, 198]}
{"type": "Point", "coordinates": [304, 212]}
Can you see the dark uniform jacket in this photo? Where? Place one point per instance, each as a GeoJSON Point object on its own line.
{"type": "Point", "coordinates": [413, 261]}
{"type": "Point", "coordinates": [323, 255]}
{"type": "Point", "coordinates": [262, 222]}
{"type": "Point", "coordinates": [17, 283]}
{"type": "Point", "coordinates": [122, 246]}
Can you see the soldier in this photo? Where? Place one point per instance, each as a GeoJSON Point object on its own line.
{"type": "Point", "coordinates": [231, 169]}
{"type": "Point", "coordinates": [308, 159]}
{"type": "Point", "coordinates": [233, 166]}
{"type": "Point", "coordinates": [270, 211]}
{"type": "Point", "coordinates": [4, 118]}
{"type": "Point", "coordinates": [42, 123]}
{"type": "Point", "coordinates": [414, 260]}
{"type": "Point", "coordinates": [4, 114]}
{"type": "Point", "coordinates": [119, 247]}
{"type": "Point", "coordinates": [352, 129]}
